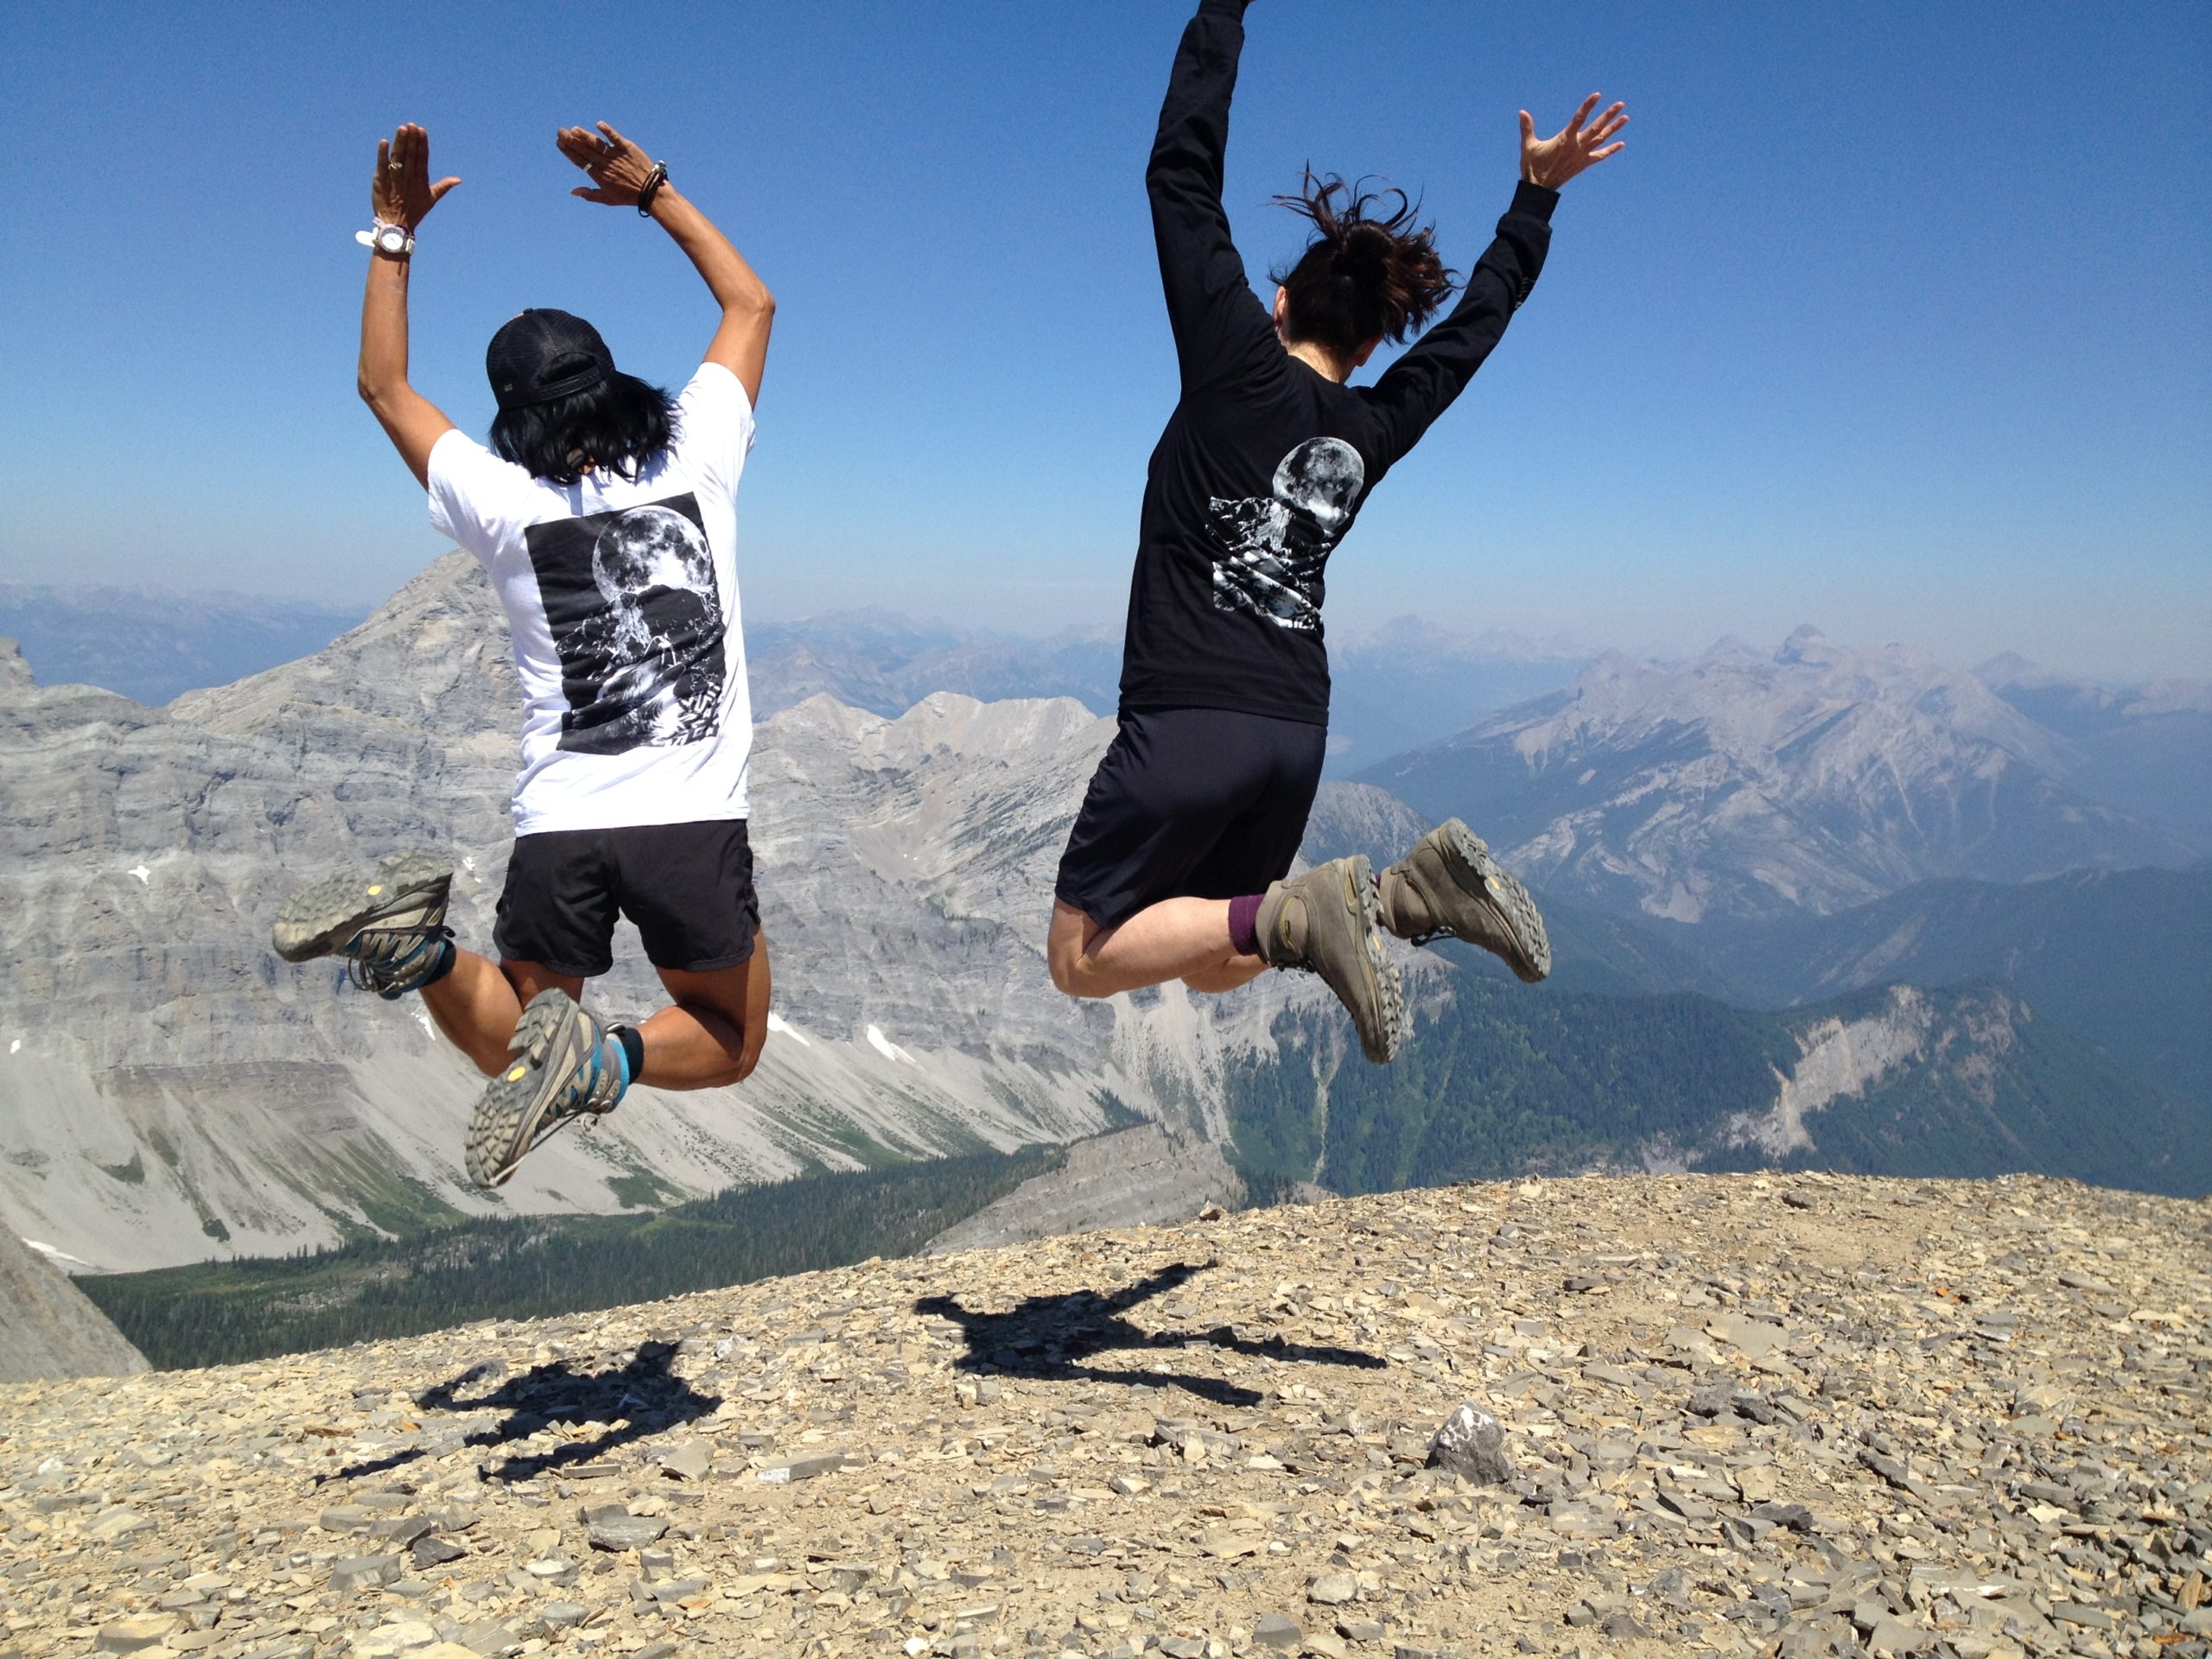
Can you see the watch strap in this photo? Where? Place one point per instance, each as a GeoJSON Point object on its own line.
{"type": "Point", "coordinates": [372, 237]}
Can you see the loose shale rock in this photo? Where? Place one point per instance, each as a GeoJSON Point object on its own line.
{"type": "Point", "coordinates": [1471, 1446]}
{"type": "Point", "coordinates": [1961, 1419]}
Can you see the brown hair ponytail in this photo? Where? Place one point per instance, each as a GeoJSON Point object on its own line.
{"type": "Point", "coordinates": [1365, 274]}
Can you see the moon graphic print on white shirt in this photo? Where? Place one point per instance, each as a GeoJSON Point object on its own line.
{"type": "Point", "coordinates": [636, 615]}
{"type": "Point", "coordinates": [1273, 550]}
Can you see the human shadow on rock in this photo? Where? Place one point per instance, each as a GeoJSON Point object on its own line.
{"type": "Point", "coordinates": [641, 1398]}
{"type": "Point", "coordinates": [1050, 1338]}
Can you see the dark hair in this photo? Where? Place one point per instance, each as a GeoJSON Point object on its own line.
{"type": "Point", "coordinates": [1364, 274]}
{"type": "Point", "coordinates": [619, 424]}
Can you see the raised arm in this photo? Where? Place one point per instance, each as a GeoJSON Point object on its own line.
{"type": "Point", "coordinates": [401, 195]}
{"type": "Point", "coordinates": [1216, 318]}
{"type": "Point", "coordinates": [620, 173]}
{"type": "Point", "coordinates": [1420, 385]}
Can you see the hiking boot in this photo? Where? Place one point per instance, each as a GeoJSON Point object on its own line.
{"type": "Point", "coordinates": [1324, 922]}
{"type": "Point", "coordinates": [390, 927]}
{"type": "Point", "coordinates": [1449, 884]}
{"type": "Point", "coordinates": [557, 1073]}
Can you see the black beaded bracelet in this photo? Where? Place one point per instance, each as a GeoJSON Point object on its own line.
{"type": "Point", "coordinates": [654, 179]}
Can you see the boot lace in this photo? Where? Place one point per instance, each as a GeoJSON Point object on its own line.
{"type": "Point", "coordinates": [392, 961]}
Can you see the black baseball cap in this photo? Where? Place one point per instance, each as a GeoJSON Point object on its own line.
{"type": "Point", "coordinates": [543, 354]}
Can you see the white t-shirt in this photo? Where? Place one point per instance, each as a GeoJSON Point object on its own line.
{"type": "Point", "coordinates": [622, 600]}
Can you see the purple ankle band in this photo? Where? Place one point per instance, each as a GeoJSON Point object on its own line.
{"type": "Point", "coordinates": [1244, 924]}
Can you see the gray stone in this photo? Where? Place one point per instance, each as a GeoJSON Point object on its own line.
{"type": "Point", "coordinates": [687, 1462]}
{"type": "Point", "coordinates": [1273, 1631]}
{"type": "Point", "coordinates": [622, 1530]}
{"type": "Point", "coordinates": [136, 1635]}
{"type": "Point", "coordinates": [1711, 1398]}
{"type": "Point", "coordinates": [430, 1552]}
{"type": "Point", "coordinates": [357, 1573]}
{"type": "Point", "coordinates": [1795, 1517]}
{"type": "Point", "coordinates": [1894, 1637]}
{"type": "Point", "coordinates": [398, 1532]}
{"type": "Point", "coordinates": [1472, 1445]}
{"type": "Point", "coordinates": [489, 1637]}
{"type": "Point", "coordinates": [778, 1474]}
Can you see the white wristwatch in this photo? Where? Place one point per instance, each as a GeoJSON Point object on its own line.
{"type": "Point", "coordinates": [394, 239]}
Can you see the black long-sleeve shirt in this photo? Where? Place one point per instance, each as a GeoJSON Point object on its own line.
{"type": "Point", "coordinates": [1266, 461]}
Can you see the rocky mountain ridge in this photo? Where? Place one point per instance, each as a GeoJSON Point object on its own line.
{"type": "Point", "coordinates": [1737, 1417]}
{"type": "Point", "coordinates": [2143, 1004]}
{"type": "Point", "coordinates": [2146, 749]}
{"type": "Point", "coordinates": [1754, 784]}
{"type": "Point", "coordinates": [47, 1327]}
{"type": "Point", "coordinates": [168, 1089]}
{"type": "Point", "coordinates": [169, 1092]}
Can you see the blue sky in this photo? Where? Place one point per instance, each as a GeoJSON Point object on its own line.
{"type": "Point", "coordinates": [1888, 319]}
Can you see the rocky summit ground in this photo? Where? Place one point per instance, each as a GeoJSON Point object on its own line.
{"type": "Point", "coordinates": [1747, 1415]}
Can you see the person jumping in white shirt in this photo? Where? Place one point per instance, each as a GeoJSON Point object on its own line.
{"type": "Point", "coordinates": [606, 521]}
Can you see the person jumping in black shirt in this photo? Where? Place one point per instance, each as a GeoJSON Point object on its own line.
{"type": "Point", "coordinates": [1175, 868]}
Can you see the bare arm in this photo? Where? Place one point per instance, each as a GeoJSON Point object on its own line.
{"type": "Point", "coordinates": [401, 195]}
{"type": "Point", "coordinates": [1420, 385]}
{"type": "Point", "coordinates": [618, 171]}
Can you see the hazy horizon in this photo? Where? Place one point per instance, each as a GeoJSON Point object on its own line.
{"type": "Point", "coordinates": [1562, 646]}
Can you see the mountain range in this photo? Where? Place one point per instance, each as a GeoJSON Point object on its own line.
{"type": "Point", "coordinates": [2122, 958]}
{"type": "Point", "coordinates": [1752, 786]}
{"type": "Point", "coordinates": [169, 1090]}
{"type": "Point", "coordinates": [1963, 1081]}
{"type": "Point", "coordinates": [151, 646]}
{"type": "Point", "coordinates": [1403, 684]}
{"type": "Point", "coordinates": [2146, 749]}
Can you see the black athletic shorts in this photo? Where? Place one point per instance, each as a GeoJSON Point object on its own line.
{"type": "Point", "coordinates": [688, 887]}
{"type": "Point", "coordinates": [1190, 802]}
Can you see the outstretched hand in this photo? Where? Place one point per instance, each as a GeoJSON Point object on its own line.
{"type": "Point", "coordinates": [1552, 161]}
{"type": "Point", "coordinates": [401, 193]}
{"type": "Point", "coordinates": [618, 167]}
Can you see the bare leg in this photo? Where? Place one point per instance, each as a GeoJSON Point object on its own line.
{"type": "Point", "coordinates": [712, 1037]}
{"type": "Point", "coordinates": [1243, 972]}
{"type": "Point", "coordinates": [1177, 938]}
{"type": "Point", "coordinates": [477, 1004]}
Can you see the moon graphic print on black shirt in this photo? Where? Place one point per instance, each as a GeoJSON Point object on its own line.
{"type": "Point", "coordinates": [636, 615]}
{"type": "Point", "coordinates": [1274, 549]}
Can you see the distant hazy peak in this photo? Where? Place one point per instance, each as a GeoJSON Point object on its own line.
{"type": "Point", "coordinates": [1806, 644]}
{"type": "Point", "coordinates": [1732, 648]}
{"type": "Point", "coordinates": [2009, 668]}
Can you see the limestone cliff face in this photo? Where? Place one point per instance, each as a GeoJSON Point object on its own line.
{"type": "Point", "coordinates": [168, 1089]}
{"type": "Point", "coordinates": [48, 1328]}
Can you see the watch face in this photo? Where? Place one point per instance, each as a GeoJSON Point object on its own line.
{"type": "Point", "coordinates": [392, 240]}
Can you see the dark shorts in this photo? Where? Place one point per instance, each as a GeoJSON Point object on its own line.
{"type": "Point", "coordinates": [688, 887]}
{"type": "Point", "coordinates": [1190, 802]}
